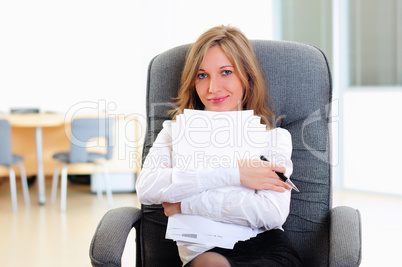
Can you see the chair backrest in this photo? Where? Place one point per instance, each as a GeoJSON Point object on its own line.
{"type": "Point", "coordinates": [299, 83]}
{"type": "Point", "coordinates": [85, 129]}
{"type": "Point", "coordinates": [6, 156]}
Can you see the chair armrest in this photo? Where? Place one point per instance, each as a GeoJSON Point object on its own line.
{"type": "Point", "coordinates": [108, 243]}
{"type": "Point", "coordinates": [345, 237]}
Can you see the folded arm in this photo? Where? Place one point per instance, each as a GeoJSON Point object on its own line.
{"type": "Point", "coordinates": [265, 207]}
{"type": "Point", "coordinates": [261, 209]}
{"type": "Point", "coordinates": [158, 182]}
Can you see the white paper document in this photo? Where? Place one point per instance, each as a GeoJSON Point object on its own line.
{"type": "Point", "coordinates": [206, 139]}
{"type": "Point", "coordinates": [197, 229]}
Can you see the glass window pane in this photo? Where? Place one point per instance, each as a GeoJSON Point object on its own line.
{"type": "Point", "coordinates": [308, 21]}
{"type": "Point", "coordinates": [374, 42]}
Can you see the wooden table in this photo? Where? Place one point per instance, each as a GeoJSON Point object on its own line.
{"type": "Point", "coordinates": [56, 138]}
{"type": "Point", "coordinates": [37, 121]}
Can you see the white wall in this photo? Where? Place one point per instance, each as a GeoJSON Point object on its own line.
{"type": "Point", "coordinates": [372, 140]}
{"type": "Point", "coordinates": [168, 23]}
{"type": "Point", "coordinates": [55, 55]}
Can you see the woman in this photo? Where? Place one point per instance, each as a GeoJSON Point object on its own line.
{"type": "Point", "coordinates": [221, 73]}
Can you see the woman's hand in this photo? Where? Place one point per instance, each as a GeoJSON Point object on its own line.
{"type": "Point", "coordinates": [260, 175]}
{"type": "Point", "coordinates": [171, 208]}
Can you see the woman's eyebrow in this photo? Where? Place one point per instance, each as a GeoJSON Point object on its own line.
{"type": "Point", "coordinates": [222, 67]}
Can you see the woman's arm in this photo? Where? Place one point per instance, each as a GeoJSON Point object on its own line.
{"type": "Point", "coordinates": [158, 182]}
{"type": "Point", "coordinates": [259, 209]}
{"type": "Point", "coordinates": [263, 209]}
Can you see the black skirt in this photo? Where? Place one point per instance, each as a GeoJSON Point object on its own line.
{"type": "Point", "coordinates": [270, 248]}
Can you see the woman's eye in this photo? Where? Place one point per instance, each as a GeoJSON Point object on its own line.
{"type": "Point", "coordinates": [226, 72]}
{"type": "Point", "coordinates": [202, 76]}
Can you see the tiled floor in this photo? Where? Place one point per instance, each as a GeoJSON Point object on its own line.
{"type": "Point", "coordinates": [42, 236]}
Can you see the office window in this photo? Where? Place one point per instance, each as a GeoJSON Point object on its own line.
{"type": "Point", "coordinates": [375, 42]}
{"type": "Point", "coordinates": [308, 21]}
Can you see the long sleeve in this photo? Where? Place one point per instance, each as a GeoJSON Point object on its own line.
{"type": "Point", "coordinates": [258, 209]}
{"type": "Point", "coordinates": [160, 182]}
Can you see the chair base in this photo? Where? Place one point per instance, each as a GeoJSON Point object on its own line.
{"type": "Point", "coordinates": [63, 186]}
{"type": "Point", "coordinates": [13, 186]}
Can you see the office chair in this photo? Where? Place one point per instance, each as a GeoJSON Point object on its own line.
{"type": "Point", "coordinates": [299, 83]}
{"type": "Point", "coordinates": [82, 131]}
{"type": "Point", "coordinates": [31, 180]}
{"type": "Point", "coordinates": [8, 159]}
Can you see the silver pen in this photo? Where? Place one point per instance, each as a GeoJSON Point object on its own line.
{"type": "Point", "coordinates": [282, 176]}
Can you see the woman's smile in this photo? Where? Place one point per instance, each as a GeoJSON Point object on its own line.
{"type": "Point", "coordinates": [218, 100]}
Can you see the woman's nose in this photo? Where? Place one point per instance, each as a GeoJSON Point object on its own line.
{"type": "Point", "coordinates": [213, 86]}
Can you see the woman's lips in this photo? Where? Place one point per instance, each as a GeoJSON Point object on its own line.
{"type": "Point", "coordinates": [218, 100]}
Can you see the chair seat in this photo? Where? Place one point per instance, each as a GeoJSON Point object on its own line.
{"type": "Point", "coordinates": [17, 158]}
{"type": "Point", "coordinates": [14, 159]}
{"type": "Point", "coordinates": [65, 157]}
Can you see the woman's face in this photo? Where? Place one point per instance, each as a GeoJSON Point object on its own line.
{"type": "Point", "coordinates": [217, 84]}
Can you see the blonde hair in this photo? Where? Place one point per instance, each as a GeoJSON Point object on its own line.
{"type": "Point", "coordinates": [240, 52]}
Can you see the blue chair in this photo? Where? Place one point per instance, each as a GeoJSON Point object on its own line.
{"type": "Point", "coordinates": [8, 159]}
{"type": "Point", "coordinates": [84, 130]}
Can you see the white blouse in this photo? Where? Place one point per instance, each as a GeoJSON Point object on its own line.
{"type": "Point", "coordinates": [159, 182]}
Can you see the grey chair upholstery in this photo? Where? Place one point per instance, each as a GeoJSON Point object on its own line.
{"type": "Point", "coordinates": [299, 82]}
{"type": "Point", "coordinates": [8, 159]}
{"type": "Point", "coordinates": [84, 130]}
